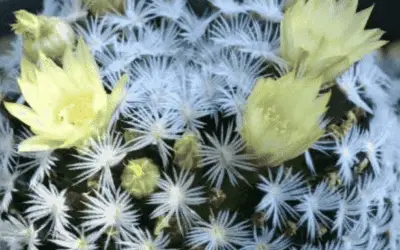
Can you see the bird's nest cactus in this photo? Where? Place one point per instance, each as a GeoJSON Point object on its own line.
{"type": "Point", "coordinates": [149, 125]}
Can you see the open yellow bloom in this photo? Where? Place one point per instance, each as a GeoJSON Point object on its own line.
{"type": "Point", "coordinates": [50, 35]}
{"type": "Point", "coordinates": [282, 118]}
{"type": "Point", "coordinates": [325, 37]}
{"type": "Point", "coordinates": [67, 105]}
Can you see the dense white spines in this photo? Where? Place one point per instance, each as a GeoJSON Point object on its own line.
{"type": "Point", "coordinates": [175, 199]}
{"type": "Point", "coordinates": [265, 240]}
{"type": "Point", "coordinates": [221, 232]}
{"type": "Point", "coordinates": [143, 239]}
{"type": "Point", "coordinates": [271, 10]}
{"type": "Point", "coordinates": [99, 156]}
{"type": "Point", "coordinates": [154, 128]}
{"type": "Point", "coordinates": [7, 186]}
{"type": "Point", "coordinates": [279, 190]}
{"type": "Point", "coordinates": [17, 232]}
{"type": "Point", "coordinates": [137, 14]}
{"type": "Point", "coordinates": [313, 207]}
{"type": "Point", "coordinates": [51, 205]}
{"type": "Point", "coordinates": [78, 240]}
{"type": "Point", "coordinates": [110, 210]}
{"type": "Point", "coordinates": [225, 158]}
{"type": "Point", "coordinates": [347, 149]}
{"type": "Point", "coordinates": [97, 34]}
{"type": "Point", "coordinates": [187, 69]}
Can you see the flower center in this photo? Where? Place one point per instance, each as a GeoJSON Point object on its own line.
{"type": "Point", "coordinates": [76, 110]}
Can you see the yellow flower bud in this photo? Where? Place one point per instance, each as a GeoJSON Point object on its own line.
{"type": "Point", "coordinates": [68, 105]}
{"type": "Point", "coordinates": [161, 224]}
{"type": "Point", "coordinates": [282, 117]}
{"type": "Point", "coordinates": [187, 151]}
{"type": "Point", "coordinates": [27, 24]}
{"type": "Point", "coordinates": [140, 177]}
{"type": "Point", "coordinates": [101, 7]}
{"type": "Point", "coordinates": [324, 37]}
{"type": "Point", "coordinates": [49, 35]}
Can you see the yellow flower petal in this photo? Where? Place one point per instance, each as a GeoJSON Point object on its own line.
{"type": "Point", "coordinates": [30, 92]}
{"type": "Point", "coordinates": [86, 59]}
{"type": "Point", "coordinates": [25, 114]}
{"type": "Point", "coordinates": [55, 74]}
{"type": "Point", "coordinates": [68, 105]}
{"type": "Point", "coordinates": [114, 99]}
{"type": "Point", "coordinates": [118, 92]}
{"type": "Point", "coordinates": [77, 138]}
{"type": "Point", "coordinates": [308, 46]}
{"type": "Point", "coordinates": [36, 122]}
{"type": "Point", "coordinates": [73, 69]}
{"type": "Point", "coordinates": [28, 70]}
{"type": "Point", "coordinates": [282, 117]}
{"type": "Point", "coordinates": [37, 143]}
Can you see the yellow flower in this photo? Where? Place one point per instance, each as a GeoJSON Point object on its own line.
{"type": "Point", "coordinates": [325, 37]}
{"type": "Point", "coordinates": [101, 7]}
{"type": "Point", "coordinates": [50, 35]}
{"type": "Point", "coordinates": [282, 118]}
{"type": "Point", "coordinates": [140, 177]}
{"type": "Point", "coordinates": [67, 105]}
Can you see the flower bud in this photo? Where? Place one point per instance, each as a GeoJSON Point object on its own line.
{"type": "Point", "coordinates": [50, 35]}
{"type": "Point", "coordinates": [186, 151]}
{"type": "Point", "coordinates": [140, 177]}
{"type": "Point", "coordinates": [282, 117]}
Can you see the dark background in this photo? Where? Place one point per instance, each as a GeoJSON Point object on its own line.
{"type": "Point", "coordinates": [386, 14]}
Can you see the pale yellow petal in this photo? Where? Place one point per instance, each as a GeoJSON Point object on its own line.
{"type": "Point", "coordinates": [37, 124]}
{"type": "Point", "coordinates": [49, 91]}
{"type": "Point", "coordinates": [118, 92]}
{"type": "Point", "coordinates": [77, 138]}
{"type": "Point", "coordinates": [37, 143]}
{"type": "Point", "coordinates": [361, 18]}
{"type": "Point", "coordinates": [86, 59]}
{"type": "Point", "coordinates": [53, 131]}
{"type": "Point", "coordinates": [28, 70]}
{"type": "Point", "coordinates": [74, 70]}
{"type": "Point", "coordinates": [30, 93]}
{"type": "Point", "coordinates": [55, 74]}
{"type": "Point", "coordinates": [24, 114]}
{"type": "Point", "coordinates": [114, 100]}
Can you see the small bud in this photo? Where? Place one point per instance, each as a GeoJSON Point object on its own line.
{"type": "Point", "coordinates": [49, 35]}
{"type": "Point", "coordinates": [217, 197]}
{"type": "Point", "coordinates": [129, 135]}
{"type": "Point", "coordinates": [161, 224]}
{"type": "Point", "coordinates": [27, 24]}
{"type": "Point", "coordinates": [187, 151]}
{"type": "Point", "coordinates": [140, 177]}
